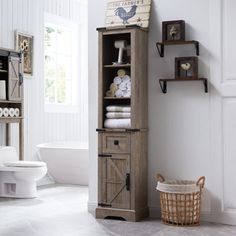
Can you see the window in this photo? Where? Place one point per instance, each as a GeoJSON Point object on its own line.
{"type": "Point", "coordinates": [60, 64]}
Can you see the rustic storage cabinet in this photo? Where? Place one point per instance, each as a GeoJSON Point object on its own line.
{"type": "Point", "coordinates": [11, 76]}
{"type": "Point", "coordinates": [122, 153]}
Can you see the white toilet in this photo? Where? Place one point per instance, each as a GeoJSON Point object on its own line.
{"type": "Point", "coordinates": [18, 178]}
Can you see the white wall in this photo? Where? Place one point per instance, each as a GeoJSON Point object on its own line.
{"type": "Point", "coordinates": [28, 16]}
{"type": "Point", "coordinates": [190, 133]}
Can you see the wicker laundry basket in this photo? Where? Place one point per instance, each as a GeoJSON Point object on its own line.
{"type": "Point", "coordinates": [180, 201]}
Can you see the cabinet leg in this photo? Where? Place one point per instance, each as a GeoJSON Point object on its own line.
{"type": "Point", "coordinates": [21, 140]}
{"type": "Point", "coordinates": [8, 134]}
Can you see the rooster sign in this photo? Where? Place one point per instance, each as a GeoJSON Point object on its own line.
{"type": "Point", "coordinates": [128, 12]}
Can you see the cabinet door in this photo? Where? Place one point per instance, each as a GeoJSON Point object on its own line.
{"type": "Point", "coordinates": [14, 80]}
{"type": "Point", "coordinates": [114, 186]}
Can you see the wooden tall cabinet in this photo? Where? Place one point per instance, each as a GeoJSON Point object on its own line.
{"type": "Point", "coordinates": [11, 93]}
{"type": "Point", "coordinates": [122, 152]}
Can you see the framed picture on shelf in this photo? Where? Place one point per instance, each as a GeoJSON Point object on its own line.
{"type": "Point", "coordinates": [126, 12]}
{"type": "Point", "coordinates": [186, 68]}
{"type": "Point", "coordinates": [24, 43]}
{"type": "Point", "coordinates": [173, 30]}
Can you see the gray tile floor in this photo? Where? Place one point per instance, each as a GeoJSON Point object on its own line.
{"type": "Point", "coordinates": [62, 211]}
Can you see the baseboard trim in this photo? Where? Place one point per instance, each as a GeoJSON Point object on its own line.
{"type": "Point", "coordinates": [92, 207]}
{"type": "Point", "coordinates": [155, 213]}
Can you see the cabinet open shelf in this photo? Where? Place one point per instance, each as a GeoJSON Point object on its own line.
{"type": "Point", "coordinates": [115, 98]}
{"type": "Point", "coordinates": [163, 83]}
{"type": "Point", "coordinates": [3, 71]}
{"type": "Point", "coordinates": [10, 102]}
{"type": "Point", "coordinates": [11, 119]}
{"type": "Point", "coordinates": [117, 66]}
{"type": "Point", "coordinates": [161, 45]}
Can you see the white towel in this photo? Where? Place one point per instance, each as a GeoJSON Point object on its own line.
{"type": "Point", "coordinates": [119, 93]}
{"type": "Point", "coordinates": [1, 112]}
{"type": "Point", "coordinates": [117, 80]}
{"type": "Point", "coordinates": [126, 78]}
{"type": "Point", "coordinates": [119, 108]}
{"type": "Point", "coordinates": [122, 86]}
{"type": "Point", "coordinates": [127, 94]}
{"type": "Point", "coordinates": [117, 123]}
{"type": "Point", "coordinates": [113, 115]}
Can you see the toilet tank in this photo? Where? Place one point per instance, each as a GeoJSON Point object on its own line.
{"type": "Point", "coordinates": [8, 154]}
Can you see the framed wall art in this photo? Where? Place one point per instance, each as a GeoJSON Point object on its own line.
{"type": "Point", "coordinates": [24, 43]}
{"type": "Point", "coordinates": [173, 30]}
{"type": "Point", "coordinates": [186, 68]}
{"type": "Point", "coordinates": [127, 13]}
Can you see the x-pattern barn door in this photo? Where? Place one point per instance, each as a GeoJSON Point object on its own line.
{"type": "Point", "coordinates": [115, 181]}
{"type": "Point", "coordinates": [14, 91]}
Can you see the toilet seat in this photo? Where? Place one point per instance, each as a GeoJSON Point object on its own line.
{"type": "Point", "coordinates": [25, 164]}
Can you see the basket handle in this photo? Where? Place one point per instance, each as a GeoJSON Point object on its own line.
{"type": "Point", "coordinates": [160, 178]}
{"type": "Point", "coordinates": [201, 182]}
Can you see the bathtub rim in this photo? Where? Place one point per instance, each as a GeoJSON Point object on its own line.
{"type": "Point", "coordinates": [64, 145]}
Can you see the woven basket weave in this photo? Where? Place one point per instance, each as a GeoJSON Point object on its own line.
{"type": "Point", "coordinates": [180, 201]}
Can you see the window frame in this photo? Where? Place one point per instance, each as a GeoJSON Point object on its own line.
{"type": "Point", "coordinates": [76, 57]}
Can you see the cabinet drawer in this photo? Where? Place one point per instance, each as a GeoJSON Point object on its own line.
{"type": "Point", "coordinates": [115, 143]}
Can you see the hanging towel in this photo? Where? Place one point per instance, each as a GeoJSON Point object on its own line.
{"type": "Point", "coordinates": [117, 123]}
{"type": "Point", "coordinates": [118, 108]}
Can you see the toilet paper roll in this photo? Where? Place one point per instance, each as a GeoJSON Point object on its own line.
{"type": "Point", "coordinates": [17, 112]}
{"type": "Point", "coordinates": [1, 112]}
{"type": "Point", "coordinates": [5, 112]}
{"type": "Point", "coordinates": [11, 112]}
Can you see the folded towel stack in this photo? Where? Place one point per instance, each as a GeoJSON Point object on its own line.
{"type": "Point", "coordinates": [121, 86]}
{"type": "Point", "coordinates": [118, 117]}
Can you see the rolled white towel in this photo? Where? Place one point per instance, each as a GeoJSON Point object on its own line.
{"type": "Point", "coordinates": [5, 112]}
{"type": "Point", "coordinates": [128, 85]}
{"type": "Point", "coordinates": [117, 123]}
{"type": "Point", "coordinates": [17, 112]}
{"type": "Point", "coordinates": [126, 78]}
{"type": "Point", "coordinates": [113, 115]}
{"type": "Point", "coordinates": [127, 94]}
{"type": "Point", "coordinates": [117, 80]}
{"type": "Point", "coordinates": [11, 112]}
{"type": "Point", "coordinates": [119, 93]}
{"type": "Point", "coordinates": [118, 108]}
{"type": "Point", "coordinates": [122, 86]}
{"type": "Point", "coordinates": [1, 112]}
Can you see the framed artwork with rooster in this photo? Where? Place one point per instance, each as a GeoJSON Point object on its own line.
{"type": "Point", "coordinates": [127, 13]}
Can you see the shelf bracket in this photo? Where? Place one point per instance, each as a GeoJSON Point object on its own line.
{"type": "Point", "coordinates": [196, 43]}
{"type": "Point", "coordinates": [160, 49]}
{"type": "Point", "coordinates": [205, 85]}
{"type": "Point", "coordinates": [163, 85]}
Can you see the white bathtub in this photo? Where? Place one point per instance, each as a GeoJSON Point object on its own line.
{"type": "Point", "coordinates": [67, 162]}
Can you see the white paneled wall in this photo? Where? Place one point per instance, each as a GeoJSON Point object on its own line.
{"type": "Point", "coordinates": [28, 16]}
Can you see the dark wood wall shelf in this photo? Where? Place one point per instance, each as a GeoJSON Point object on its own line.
{"type": "Point", "coordinates": [161, 45]}
{"type": "Point", "coordinates": [163, 83]}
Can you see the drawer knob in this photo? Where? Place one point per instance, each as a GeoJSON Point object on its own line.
{"type": "Point", "coordinates": [116, 142]}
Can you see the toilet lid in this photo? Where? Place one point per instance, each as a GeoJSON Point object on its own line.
{"type": "Point", "coordinates": [25, 164]}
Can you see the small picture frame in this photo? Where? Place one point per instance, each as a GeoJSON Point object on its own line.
{"type": "Point", "coordinates": [173, 31]}
{"type": "Point", "coordinates": [25, 43]}
{"type": "Point", "coordinates": [186, 68]}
